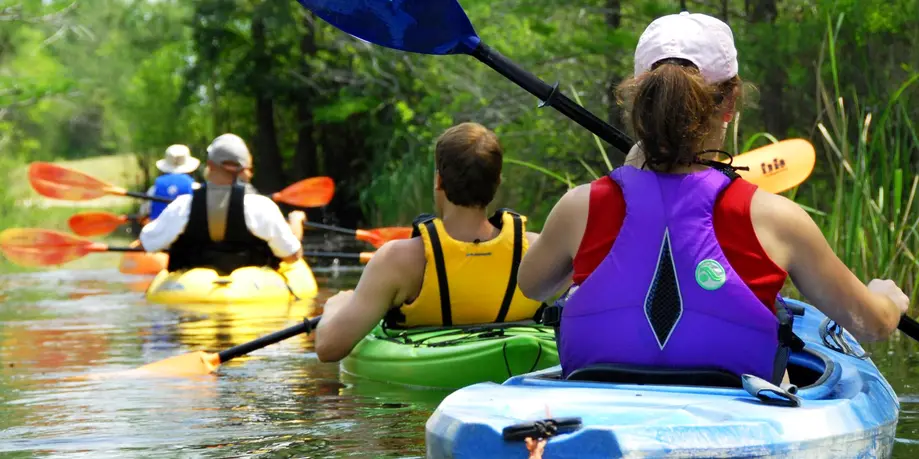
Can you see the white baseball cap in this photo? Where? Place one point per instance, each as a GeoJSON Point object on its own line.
{"type": "Point", "coordinates": [229, 148]}
{"type": "Point", "coordinates": [178, 160]}
{"type": "Point", "coordinates": [704, 40]}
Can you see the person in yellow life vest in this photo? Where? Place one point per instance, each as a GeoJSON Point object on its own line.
{"type": "Point", "coordinates": [459, 268]}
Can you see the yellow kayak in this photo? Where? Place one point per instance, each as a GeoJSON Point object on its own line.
{"type": "Point", "coordinates": [244, 285]}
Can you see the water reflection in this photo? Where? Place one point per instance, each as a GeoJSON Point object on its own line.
{"type": "Point", "coordinates": [279, 401]}
{"type": "Point", "coordinates": [54, 326]}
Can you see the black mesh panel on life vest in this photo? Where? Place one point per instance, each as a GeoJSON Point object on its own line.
{"type": "Point", "coordinates": [664, 304]}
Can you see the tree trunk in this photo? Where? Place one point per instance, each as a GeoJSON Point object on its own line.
{"type": "Point", "coordinates": [269, 175]}
{"type": "Point", "coordinates": [346, 162]}
{"type": "Point", "coordinates": [305, 155]}
{"type": "Point", "coordinates": [775, 119]}
{"type": "Point", "coordinates": [615, 56]}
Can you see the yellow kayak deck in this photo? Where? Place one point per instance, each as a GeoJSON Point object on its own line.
{"type": "Point", "coordinates": [245, 285]}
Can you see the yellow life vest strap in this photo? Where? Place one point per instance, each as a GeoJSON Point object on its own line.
{"type": "Point", "coordinates": [446, 316]}
{"type": "Point", "coordinates": [515, 264]}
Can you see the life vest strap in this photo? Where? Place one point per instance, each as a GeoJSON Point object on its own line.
{"type": "Point", "coordinates": [515, 266]}
{"type": "Point", "coordinates": [788, 341]}
{"type": "Point", "coordinates": [427, 220]}
{"type": "Point", "coordinates": [446, 315]}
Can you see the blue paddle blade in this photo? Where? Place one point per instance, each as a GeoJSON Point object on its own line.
{"type": "Point", "coordinates": [417, 26]}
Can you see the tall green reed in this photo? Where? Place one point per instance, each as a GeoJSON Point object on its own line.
{"type": "Point", "coordinates": [872, 217]}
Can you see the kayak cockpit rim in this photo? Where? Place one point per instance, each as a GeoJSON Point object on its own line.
{"type": "Point", "coordinates": [811, 370]}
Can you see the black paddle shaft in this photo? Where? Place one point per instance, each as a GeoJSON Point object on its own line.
{"type": "Point", "coordinates": [329, 228]}
{"type": "Point", "coordinates": [551, 96]}
{"type": "Point", "coordinates": [124, 249]}
{"type": "Point", "coordinates": [331, 254]}
{"type": "Point", "coordinates": [909, 326]}
{"type": "Point", "coordinates": [135, 194]}
{"type": "Point", "coordinates": [304, 327]}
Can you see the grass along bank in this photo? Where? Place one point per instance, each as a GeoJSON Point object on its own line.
{"type": "Point", "coordinates": [22, 207]}
{"type": "Point", "coordinates": [868, 187]}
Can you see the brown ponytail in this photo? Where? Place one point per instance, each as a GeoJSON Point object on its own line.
{"type": "Point", "coordinates": [671, 110]}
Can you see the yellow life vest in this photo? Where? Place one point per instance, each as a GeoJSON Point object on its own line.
{"type": "Point", "coordinates": [469, 282]}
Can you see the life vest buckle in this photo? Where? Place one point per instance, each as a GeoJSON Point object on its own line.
{"type": "Point", "coordinates": [550, 315]}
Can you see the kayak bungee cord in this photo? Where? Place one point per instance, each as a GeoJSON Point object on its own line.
{"type": "Point", "coordinates": [831, 333]}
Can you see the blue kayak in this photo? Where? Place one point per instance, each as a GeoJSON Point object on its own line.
{"type": "Point", "coordinates": [837, 405]}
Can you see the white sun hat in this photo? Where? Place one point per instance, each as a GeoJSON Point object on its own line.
{"type": "Point", "coordinates": [704, 40]}
{"type": "Point", "coordinates": [178, 160]}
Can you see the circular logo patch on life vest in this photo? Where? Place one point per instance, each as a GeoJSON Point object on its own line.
{"type": "Point", "coordinates": [710, 274]}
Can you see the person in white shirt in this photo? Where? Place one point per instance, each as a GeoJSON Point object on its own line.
{"type": "Point", "coordinates": [220, 226]}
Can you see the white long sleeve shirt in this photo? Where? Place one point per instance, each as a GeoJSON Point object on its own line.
{"type": "Point", "coordinates": [263, 219]}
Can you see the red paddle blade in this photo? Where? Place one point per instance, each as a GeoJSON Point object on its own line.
{"type": "Point", "coordinates": [311, 192]}
{"type": "Point", "coordinates": [88, 224]}
{"type": "Point", "coordinates": [59, 182]}
{"type": "Point", "coordinates": [379, 236]}
{"type": "Point", "coordinates": [38, 247]}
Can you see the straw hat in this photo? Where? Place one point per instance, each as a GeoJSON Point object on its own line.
{"type": "Point", "coordinates": [178, 160]}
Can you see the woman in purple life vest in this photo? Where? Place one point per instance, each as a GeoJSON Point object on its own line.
{"type": "Point", "coordinates": [666, 294]}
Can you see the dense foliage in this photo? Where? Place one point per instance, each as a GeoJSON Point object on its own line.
{"type": "Point", "coordinates": [81, 78]}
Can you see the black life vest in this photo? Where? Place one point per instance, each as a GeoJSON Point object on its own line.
{"type": "Point", "coordinates": [194, 248]}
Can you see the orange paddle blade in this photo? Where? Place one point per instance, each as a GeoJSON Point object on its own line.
{"type": "Point", "coordinates": [63, 192]}
{"type": "Point", "coordinates": [38, 247]}
{"type": "Point", "coordinates": [142, 263]}
{"type": "Point", "coordinates": [379, 236]}
{"type": "Point", "coordinates": [196, 363]}
{"type": "Point", "coordinates": [365, 257]}
{"type": "Point", "coordinates": [311, 192]}
{"type": "Point", "coordinates": [60, 182]}
{"type": "Point", "coordinates": [88, 224]}
{"type": "Point", "coordinates": [780, 166]}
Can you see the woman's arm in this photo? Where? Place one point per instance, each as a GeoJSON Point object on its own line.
{"type": "Point", "coordinates": [869, 312]}
{"type": "Point", "coordinates": [548, 263]}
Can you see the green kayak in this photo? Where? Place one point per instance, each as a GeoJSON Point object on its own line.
{"type": "Point", "coordinates": [454, 357]}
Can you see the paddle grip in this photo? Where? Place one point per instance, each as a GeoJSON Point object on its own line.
{"type": "Point", "coordinates": [909, 326]}
{"type": "Point", "coordinates": [552, 96]}
{"type": "Point", "coordinates": [304, 327]}
{"type": "Point", "coordinates": [135, 194]}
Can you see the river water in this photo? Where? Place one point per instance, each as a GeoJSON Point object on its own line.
{"type": "Point", "coordinates": [59, 326]}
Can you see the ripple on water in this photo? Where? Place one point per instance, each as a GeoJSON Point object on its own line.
{"type": "Point", "coordinates": [280, 400]}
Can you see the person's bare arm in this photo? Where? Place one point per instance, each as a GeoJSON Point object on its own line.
{"type": "Point", "coordinates": [792, 239]}
{"type": "Point", "coordinates": [560, 288]}
{"type": "Point", "coordinates": [548, 264]}
{"type": "Point", "coordinates": [385, 283]}
{"type": "Point", "coordinates": [295, 220]}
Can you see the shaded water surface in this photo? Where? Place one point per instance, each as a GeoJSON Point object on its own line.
{"type": "Point", "coordinates": [279, 402]}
